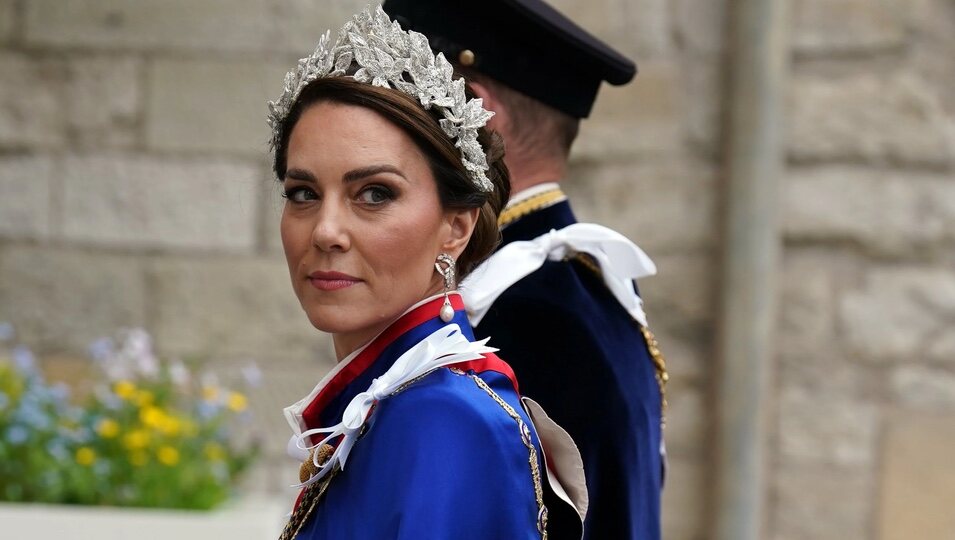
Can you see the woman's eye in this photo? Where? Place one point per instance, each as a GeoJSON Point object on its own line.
{"type": "Point", "coordinates": [375, 195]}
{"type": "Point", "coordinates": [300, 194]}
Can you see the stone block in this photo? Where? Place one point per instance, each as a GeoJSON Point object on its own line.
{"type": "Point", "coordinates": [901, 313]}
{"type": "Point", "coordinates": [702, 90]}
{"type": "Point", "coordinates": [640, 118]}
{"type": "Point", "coordinates": [25, 196]}
{"type": "Point", "coordinates": [821, 503]}
{"type": "Point", "coordinates": [848, 26]}
{"type": "Point", "coordinates": [924, 387]}
{"type": "Point", "coordinates": [687, 352]}
{"type": "Point", "coordinates": [31, 106]}
{"type": "Point", "coordinates": [819, 429]}
{"type": "Point", "coordinates": [663, 207]}
{"type": "Point", "coordinates": [684, 500]}
{"type": "Point", "coordinates": [298, 24]}
{"type": "Point", "coordinates": [242, 25]}
{"type": "Point", "coordinates": [806, 304]}
{"type": "Point", "coordinates": [62, 299]}
{"type": "Point", "coordinates": [8, 23]}
{"type": "Point", "coordinates": [638, 29]}
{"type": "Point", "coordinates": [105, 101]}
{"type": "Point", "coordinates": [918, 479]}
{"type": "Point", "coordinates": [688, 419]}
{"type": "Point", "coordinates": [211, 106]}
{"type": "Point", "coordinates": [700, 26]}
{"type": "Point", "coordinates": [682, 292]}
{"type": "Point", "coordinates": [889, 117]}
{"type": "Point", "coordinates": [888, 213]}
{"type": "Point", "coordinates": [159, 203]}
{"type": "Point", "coordinates": [232, 308]}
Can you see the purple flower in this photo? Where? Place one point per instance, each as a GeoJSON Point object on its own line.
{"type": "Point", "coordinates": [101, 349]}
{"type": "Point", "coordinates": [24, 360]}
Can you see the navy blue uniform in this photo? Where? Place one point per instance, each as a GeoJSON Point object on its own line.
{"type": "Point", "coordinates": [577, 352]}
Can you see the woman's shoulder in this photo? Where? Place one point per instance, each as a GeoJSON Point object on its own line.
{"type": "Point", "coordinates": [455, 400]}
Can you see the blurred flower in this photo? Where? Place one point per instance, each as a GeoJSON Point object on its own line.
{"type": "Point", "coordinates": [17, 434]}
{"type": "Point", "coordinates": [237, 402]}
{"type": "Point", "coordinates": [85, 456]}
{"type": "Point", "coordinates": [252, 374]}
{"type": "Point", "coordinates": [143, 398]}
{"type": "Point", "coordinates": [107, 428]}
{"type": "Point", "coordinates": [156, 417]}
{"type": "Point", "coordinates": [125, 389]}
{"type": "Point", "coordinates": [24, 360]}
{"type": "Point", "coordinates": [136, 439]}
{"type": "Point", "coordinates": [102, 349]}
{"type": "Point", "coordinates": [179, 373]}
{"type": "Point", "coordinates": [167, 455]}
{"type": "Point", "coordinates": [214, 451]}
{"type": "Point", "coordinates": [210, 393]}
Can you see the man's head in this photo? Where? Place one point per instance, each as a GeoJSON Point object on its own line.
{"type": "Point", "coordinates": [535, 68]}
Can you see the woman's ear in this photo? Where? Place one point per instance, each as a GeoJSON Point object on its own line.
{"type": "Point", "coordinates": [461, 225]}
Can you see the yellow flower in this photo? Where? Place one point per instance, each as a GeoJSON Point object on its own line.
{"type": "Point", "coordinates": [107, 428]}
{"type": "Point", "coordinates": [237, 402]}
{"type": "Point", "coordinates": [138, 458]}
{"type": "Point", "coordinates": [168, 455]}
{"type": "Point", "coordinates": [214, 451]}
{"type": "Point", "coordinates": [85, 456]}
{"type": "Point", "coordinates": [170, 426]}
{"type": "Point", "coordinates": [210, 393]}
{"type": "Point", "coordinates": [144, 398]}
{"type": "Point", "coordinates": [136, 439]}
{"type": "Point", "coordinates": [124, 389]}
{"type": "Point", "coordinates": [151, 416]}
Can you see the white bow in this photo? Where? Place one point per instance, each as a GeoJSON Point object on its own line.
{"type": "Point", "coordinates": [620, 260]}
{"type": "Point", "coordinates": [445, 346]}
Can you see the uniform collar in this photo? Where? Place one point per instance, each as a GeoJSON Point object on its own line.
{"type": "Point", "coordinates": [326, 402]}
{"type": "Point", "coordinates": [538, 222]}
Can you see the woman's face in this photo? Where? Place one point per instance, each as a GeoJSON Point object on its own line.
{"type": "Point", "coordinates": [362, 223]}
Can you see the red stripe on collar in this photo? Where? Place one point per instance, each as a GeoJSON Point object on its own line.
{"type": "Point", "coordinates": [365, 358]}
{"type": "Point", "coordinates": [490, 362]}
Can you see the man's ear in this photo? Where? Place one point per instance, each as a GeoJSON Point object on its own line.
{"type": "Point", "coordinates": [461, 225]}
{"type": "Point", "coordinates": [491, 103]}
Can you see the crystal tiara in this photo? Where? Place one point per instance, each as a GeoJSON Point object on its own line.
{"type": "Point", "coordinates": [390, 57]}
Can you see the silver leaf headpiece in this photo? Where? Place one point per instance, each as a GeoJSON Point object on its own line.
{"type": "Point", "coordinates": [390, 57]}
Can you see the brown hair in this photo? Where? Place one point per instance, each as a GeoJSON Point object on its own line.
{"type": "Point", "coordinates": [455, 188]}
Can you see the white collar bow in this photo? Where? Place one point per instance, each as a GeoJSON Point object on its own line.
{"type": "Point", "coordinates": [620, 260]}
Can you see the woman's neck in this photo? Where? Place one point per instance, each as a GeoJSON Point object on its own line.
{"type": "Point", "coordinates": [347, 343]}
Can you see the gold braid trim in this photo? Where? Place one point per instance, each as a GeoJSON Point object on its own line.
{"type": "Point", "coordinates": [532, 452]}
{"type": "Point", "coordinates": [310, 498]}
{"type": "Point", "coordinates": [659, 362]}
{"type": "Point", "coordinates": [532, 204]}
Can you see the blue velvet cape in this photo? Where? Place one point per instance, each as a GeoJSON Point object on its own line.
{"type": "Point", "coordinates": [442, 459]}
{"type": "Point", "coordinates": [580, 355]}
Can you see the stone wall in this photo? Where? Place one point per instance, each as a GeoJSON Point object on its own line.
{"type": "Point", "coordinates": [865, 423]}
{"type": "Point", "coordinates": [135, 190]}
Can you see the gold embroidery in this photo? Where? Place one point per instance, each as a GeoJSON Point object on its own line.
{"type": "Point", "coordinates": [532, 204]}
{"type": "Point", "coordinates": [532, 453]}
{"type": "Point", "coordinates": [310, 498]}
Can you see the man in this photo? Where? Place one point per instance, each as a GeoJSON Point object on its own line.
{"type": "Point", "coordinates": [562, 307]}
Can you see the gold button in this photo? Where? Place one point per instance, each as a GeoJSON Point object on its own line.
{"type": "Point", "coordinates": [466, 58]}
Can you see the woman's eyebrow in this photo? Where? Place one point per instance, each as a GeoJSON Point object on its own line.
{"type": "Point", "coordinates": [371, 170]}
{"type": "Point", "coordinates": [300, 174]}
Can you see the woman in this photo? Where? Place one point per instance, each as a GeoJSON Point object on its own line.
{"type": "Point", "coordinates": [393, 188]}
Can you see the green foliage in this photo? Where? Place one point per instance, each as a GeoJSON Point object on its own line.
{"type": "Point", "coordinates": [148, 435]}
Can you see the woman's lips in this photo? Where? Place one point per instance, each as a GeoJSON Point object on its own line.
{"type": "Point", "coordinates": [331, 281]}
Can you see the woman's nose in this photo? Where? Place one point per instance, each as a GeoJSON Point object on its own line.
{"type": "Point", "coordinates": [331, 230]}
